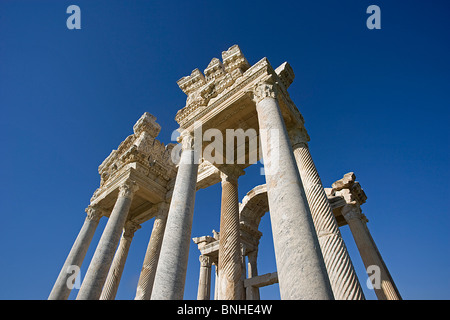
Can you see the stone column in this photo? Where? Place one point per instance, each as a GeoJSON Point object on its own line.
{"type": "Point", "coordinates": [171, 271]}
{"type": "Point", "coordinates": [301, 268]}
{"type": "Point", "coordinates": [147, 277]}
{"type": "Point", "coordinates": [204, 279]}
{"type": "Point", "coordinates": [216, 280]}
{"type": "Point", "coordinates": [252, 292]}
{"type": "Point", "coordinates": [115, 272]}
{"type": "Point", "coordinates": [369, 252]}
{"type": "Point", "coordinates": [231, 284]}
{"type": "Point", "coordinates": [95, 278]}
{"type": "Point", "coordinates": [341, 272]}
{"type": "Point", "coordinates": [76, 255]}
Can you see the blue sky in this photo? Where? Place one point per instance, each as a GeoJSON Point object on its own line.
{"type": "Point", "coordinates": [375, 102]}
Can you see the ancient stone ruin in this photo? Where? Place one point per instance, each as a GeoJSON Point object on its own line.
{"type": "Point", "coordinates": [145, 179]}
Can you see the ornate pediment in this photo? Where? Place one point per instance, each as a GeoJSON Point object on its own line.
{"type": "Point", "coordinates": [143, 148]}
{"type": "Point", "coordinates": [218, 77]}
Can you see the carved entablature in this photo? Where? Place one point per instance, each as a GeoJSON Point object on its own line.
{"type": "Point", "coordinates": [222, 79]}
{"type": "Point", "coordinates": [219, 77]}
{"type": "Point", "coordinates": [142, 147]}
{"type": "Point", "coordinates": [350, 189]}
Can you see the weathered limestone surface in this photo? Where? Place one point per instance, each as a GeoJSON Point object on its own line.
{"type": "Point", "coordinates": [301, 269]}
{"type": "Point", "coordinates": [173, 259]}
{"type": "Point", "coordinates": [76, 256]}
{"type": "Point", "coordinates": [115, 271]}
{"type": "Point", "coordinates": [147, 277]}
{"type": "Point", "coordinates": [145, 161]}
{"type": "Point", "coordinates": [204, 279]}
{"type": "Point", "coordinates": [231, 287]}
{"type": "Point", "coordinates": [341, 273]}
{"type": "Point", "coordinates": [353, 194]}
{"type": "Point", "coordinates": [139, 181]}
{"type": "Point", "coordinates": [97, 272]}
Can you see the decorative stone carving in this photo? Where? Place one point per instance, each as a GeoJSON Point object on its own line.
{"type": "Point", "coordinates": [299, 136]}
{"type": "Point", "coordinates": [94, 212]}
{"type": "Point", "coordinates": [187, 140]}
{"type": "Point", "coordinates": [219, 78]}
{"type": "Point", "coordinates": [305, 232]}
{"type": "Point", "coordinates": [231, 172]}
{"type": "Point", "coordinates": [263, 90]}
{"type": "Point", "coordinates": [205, 261]}
{"type": "Point", "coordinates": [127, 189]}
{"type": "Point", "coordinates": [286, 74]}
{"type": "Point", "coordinates": [141, 150]}
{"type": "Point", "coordinates": [130, 228]}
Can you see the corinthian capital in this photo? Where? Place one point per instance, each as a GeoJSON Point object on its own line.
{"type": "Point", "coordinates": [352, 211]}
{"type": "Point", "coordinates": [187, 140]}
{"type": "Point", "coordinates": [205, 261]}
{"type": "Point", "coordinates": [128, 188]}
{"type": "Point", "coordinates": [231, 173]}
{"type": "Point", "coordinates": [94, 212]}
{"type": "Point", "coordinates": [130, 228]}
{"type": "Point", "coordinates": [264, 89]}
{"type": "Point", "coordinates": [299, 136]}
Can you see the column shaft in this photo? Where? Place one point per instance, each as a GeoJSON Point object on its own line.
{"type": "Point", "coordinates": [204, 279]}
{"type": "Point", "coordinates": [216, 281]}
{"type": "Point", "coordinates": [115, 272]}
{"type": "Point", "coordinates": [252, 292]}
{"type": "Point", "coordinates": [61, 290]}
{"type": "Point", "coordinates": [97, 272]}
{"type": "Point", "coordinates": [171, 270]}
{"type": "Point", "coordinates": [231, 285]}
{"type": "Point", "coordinates": [341, 272]}
{"type": "Point", "coordinates": [147, 277]}
{"type": "Point", "coordinates": [301, 269]}
{"type": "Point", "coordinates": [369, 252]}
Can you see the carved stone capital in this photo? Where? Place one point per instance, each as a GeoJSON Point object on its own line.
{"type": "Point", "coordinates": [130, 228]}
{"type": "Point", "coordinates": [163, 210]}
{"type": "Point", "coordinates": [264, 89]}
{"type": "Point", "coordinates": [352, 211]}
{"type": "Point", "coordinates": [187, 140]}
{"type": "Point", "coordinates": [147, 123]}
{"type": "Point", "coordinates": [94, 212]}
{"type": "Point", "coordinates": [205, 261]}
{"type": "Point", "coordinates": [128, 188]}
{"type": "Point", "coordinates": [231, 173]}
{"type": "Point", "coordinates": [299, 137]}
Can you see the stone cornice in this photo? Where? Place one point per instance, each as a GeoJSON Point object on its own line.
{"type": "Point", "coordinates": [128, 188]}
{"type": "Point", "coordinates": [140, 147]}
{"type": "Point", "coordinates": [225, 82]}
{"type": "Point", "coordinates": [204, 96]}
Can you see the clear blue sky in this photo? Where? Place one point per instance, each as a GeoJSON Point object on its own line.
{"type": "Point", "coordinates": [375, 102]}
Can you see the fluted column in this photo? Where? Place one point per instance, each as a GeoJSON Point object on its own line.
{"type": "Point", "coordinates": [147, 277]}
{"type": "Point", "coordinates": [231, 285]}
{"type": "Point", "coordinates": [341, 272]}
{"type": "Point", "coordinates": [204, 279]}
{"type": "Point", "coordinates": [115, 272]}
{"type": "Point", "coordinates": [301, 269]}
{"type": "Point", "coordinates": [369, 252]}
{"type": "Point", "coordinates": [61, 290]}
{"type": "Point", "coordinates": [172, 265]}
{"type": "Point", "coordinates": [95, 278]}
